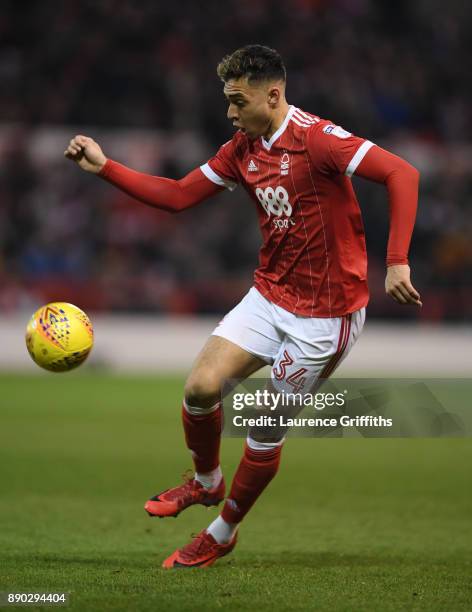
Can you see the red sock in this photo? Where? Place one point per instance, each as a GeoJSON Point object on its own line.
{"type": "Point", "coordinates": [256, 470]}
{"type": "Point", "coordinates": [203, 434]}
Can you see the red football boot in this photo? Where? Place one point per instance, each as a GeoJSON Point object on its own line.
{"type": "Point", "coordinates": [172, 501]}
{"type": "Point", "coordinates": [202, 551]}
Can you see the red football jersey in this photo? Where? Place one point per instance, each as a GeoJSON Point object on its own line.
{"type": "Point", "coordinates": [313, 259]}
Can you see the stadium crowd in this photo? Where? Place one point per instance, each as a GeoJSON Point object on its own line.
{"type": "Point", "coordinates": [140, 78]}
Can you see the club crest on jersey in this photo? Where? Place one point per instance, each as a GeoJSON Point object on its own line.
{"type": "Point", "coordinates": [252, 167]}
{"type": "Point", "coordinates": [284, 164]}
{"type": "Point", "coordinates": [336, 130]}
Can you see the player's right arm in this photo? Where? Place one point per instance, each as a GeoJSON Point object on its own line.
{"type": "Point", "coordinates": [166, 194]}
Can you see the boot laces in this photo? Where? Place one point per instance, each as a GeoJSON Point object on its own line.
{"type": "Point", "coordinates": [183, 492]}
{"type": "Point", "coordinates": [200, 544]}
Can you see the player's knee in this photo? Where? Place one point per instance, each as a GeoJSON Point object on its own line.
{"type": "Point", "coordinates": [203, 390]}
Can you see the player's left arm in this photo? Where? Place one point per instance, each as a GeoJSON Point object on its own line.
{"type": "Point", "coordinates": [333, 150]}
{"type": "Point", "coordinates": [401, 180]}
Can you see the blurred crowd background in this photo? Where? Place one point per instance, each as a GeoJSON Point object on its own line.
{"type": "Point", "coordinates": [140, 77]}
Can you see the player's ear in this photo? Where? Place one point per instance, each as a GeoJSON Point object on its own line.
{"type": "Point", "coordinates": [274, 95]}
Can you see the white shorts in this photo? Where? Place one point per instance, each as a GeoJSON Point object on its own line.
{"type": "Point", "coordinates": [300, 349]}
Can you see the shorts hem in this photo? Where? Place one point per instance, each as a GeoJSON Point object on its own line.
{"type": "Point", "coordinates": [267, 358]}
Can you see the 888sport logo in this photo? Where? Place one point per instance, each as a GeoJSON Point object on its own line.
{"type": "Point", "coordinates": [276, 202]}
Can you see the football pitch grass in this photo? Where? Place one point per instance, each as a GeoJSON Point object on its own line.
{"type": "Point", "coordinates": [348, 524]}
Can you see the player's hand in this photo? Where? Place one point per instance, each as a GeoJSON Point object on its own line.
{"type": "Point", "coordinates": [399, 287]}
{"type": "Point", "coordinates": [86, 153]}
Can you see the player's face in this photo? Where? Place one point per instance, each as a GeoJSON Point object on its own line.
{"type": "Point", "coordinates": [251, 106]}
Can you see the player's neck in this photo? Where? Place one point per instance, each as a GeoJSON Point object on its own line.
{"type": "Point", "coordinates": [277, 120]}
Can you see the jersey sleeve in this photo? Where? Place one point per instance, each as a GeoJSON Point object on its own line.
{"type": "Point", "coordinates": [166, 194]}
{"type": "Point", "coordinates": [334, 150]}
{"type": "Point", "coordinates": [221, 169]}
{"type": "Point", "coordinates": [401, 180]}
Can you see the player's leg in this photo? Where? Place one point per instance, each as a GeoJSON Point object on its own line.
{"type": "Point", "coordinates": [314, 349]}
{"type": "Point", "coordinates": [241, 345]}
{"type": "Point", "coordinates": [219, 361]}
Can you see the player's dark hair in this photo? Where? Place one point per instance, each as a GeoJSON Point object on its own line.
{"type": "Point", "coordinates": [256, 62]}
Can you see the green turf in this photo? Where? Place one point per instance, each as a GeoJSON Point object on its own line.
{"type": "Point", "coordinates": [348, 524]}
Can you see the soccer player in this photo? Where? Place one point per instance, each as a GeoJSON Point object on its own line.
{"type": "Point", "coordinates": [306, 308]}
